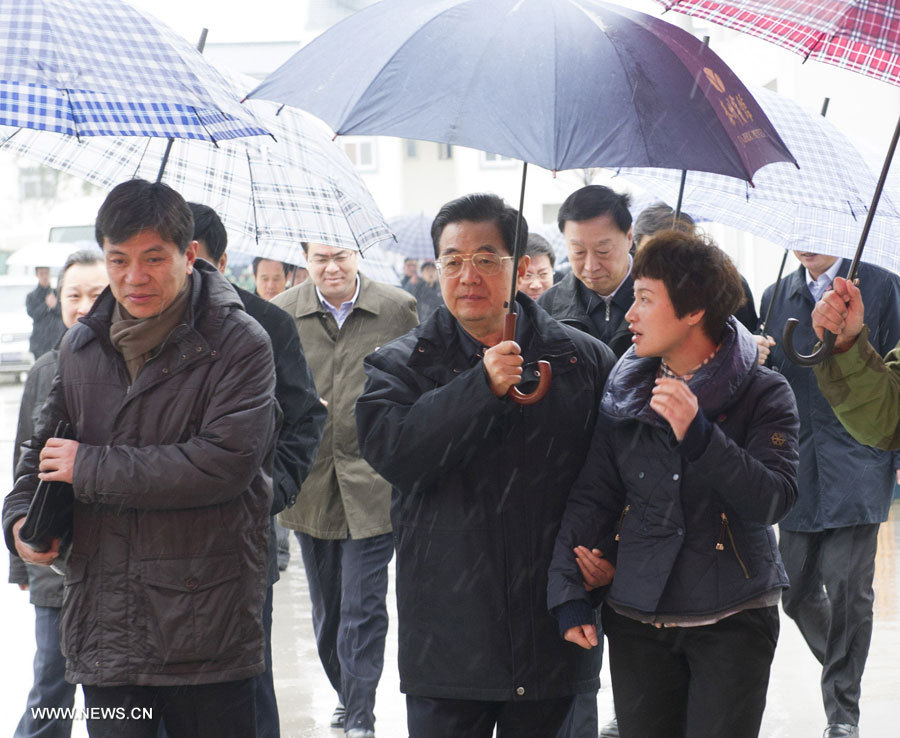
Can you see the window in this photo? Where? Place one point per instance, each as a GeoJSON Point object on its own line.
{"type": "Point", "coordinates": [361, 153]}
{"type": "Point", "coordinates": [496, 160]}
{"type": "Point", "coordinates": [409, 148]}
{"type": "Point", "coordinates": [37, 183]}
{"type": "Point", "coordinates": [445, 151]}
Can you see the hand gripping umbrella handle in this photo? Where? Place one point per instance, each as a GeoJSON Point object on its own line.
{"type": "Point", "coordinates": [545, 371]}
{"type": "Point", "coordinates": [816, 357]}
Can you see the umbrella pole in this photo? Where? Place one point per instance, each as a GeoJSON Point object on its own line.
{"type": "Point", "coordinates": [165, 160]}
{"type": "Point", "coordinates": [765, 321]}
{"type": "Point", "coordinates": [509, 326]}
{"type": "Point", "coordinates": [828, 338]}
{"type": "Point", "coordinates": [684, 171]}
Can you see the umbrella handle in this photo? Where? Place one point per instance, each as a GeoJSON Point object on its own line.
{"type": "Point", "coordinates": [816, 357]}
{"type": "Point", "coordinates": [545, 371]}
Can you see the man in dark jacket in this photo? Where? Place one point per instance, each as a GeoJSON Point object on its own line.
{"type": "Point", "coordinates": [298, 438]}
{"type": "Point", "coordinates": [595, 295]}
{"type": "Point", "coordinates": [42, 306]}
{"type": "Point", "coordinates": [694, 458]}
{"type": "Point", "coordinates": [479, 485]}
{"type": "Point", "coordinates": [829, 540]}
{"type": "Point", "coordinates": [169, 388]}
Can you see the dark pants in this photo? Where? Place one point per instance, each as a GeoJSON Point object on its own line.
{"type": "Point", "coordinates": [700, 682]}
{"type": "Point", "coordinates": [223, 710]}
{"type": "Point", "coordinates": [430, 717]}
{"type": "Point", "coordinates": [283, 536]}
{"type": "Point", "coordinates": [50, 688]}
{"type": "Point", "coordinates": [582, 722]}
{"type": "Point", "coordinates": [348, 588]}
{"type": "Point", "coordinates": [831, 599]}
{"type": "Point", "coordinates": [267, 724]}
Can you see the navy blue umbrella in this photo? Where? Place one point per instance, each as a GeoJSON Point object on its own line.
{"type": "Point", "coordinates": [559, 83]}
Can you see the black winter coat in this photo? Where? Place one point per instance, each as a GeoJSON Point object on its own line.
{"type": "Point", "coordinates": [167, 573]}
{"type": "Point", "coordinates": [842, 482]}
{"type": "Point", "coordinates": [695, 534]}
{"type": "Point", "coordinates": [479, 488]}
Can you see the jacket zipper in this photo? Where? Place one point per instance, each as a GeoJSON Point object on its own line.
{"type": "Point", "coordinates": [621, 520]}
{"type": "Point", "coordinates": [720, 546]}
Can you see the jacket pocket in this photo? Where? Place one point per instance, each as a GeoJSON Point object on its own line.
{"type": "Point", "coordinates": [725, 532]}
{"type": "Point", "coordinates": [193, 608]}
{"type": "Point", "coordinates": [78, 609]}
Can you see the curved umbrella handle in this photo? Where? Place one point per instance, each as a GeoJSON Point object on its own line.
{"type": "Point", "coordinates": [816, 357]}
{"type": "Point", "coordinates": [545, 371]}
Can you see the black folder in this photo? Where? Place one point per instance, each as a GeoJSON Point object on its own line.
{"type": "Point", "coordinates": [50, 513]}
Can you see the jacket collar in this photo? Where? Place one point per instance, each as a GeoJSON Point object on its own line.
{"type": "Point", "coordinates": [627, 392]}
{"type": "Point", "coordinates": [796, 283]}
{"type": "Point", "coordinates": [307, 301]}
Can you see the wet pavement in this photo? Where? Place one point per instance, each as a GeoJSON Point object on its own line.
{"type": "Point", "coordinates": [306, 699]}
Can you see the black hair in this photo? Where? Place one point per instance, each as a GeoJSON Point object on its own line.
{"type": "Point", "coordinates": [697, 274]}
{"type": "Point", "coordinates": [208, 227]}
{"type": "Point", "coordinates": [138, 205]}
{"type": "Point", "coordinates": [480, 208]}
{"type": "Point", "coordinates": [538, 245]}
{"type": "Point", "coordinates": [660, 217]}
{"type": "Point", "coordinates": [286, 267]}
{"type": "Point", "coordinates": [593, 201]}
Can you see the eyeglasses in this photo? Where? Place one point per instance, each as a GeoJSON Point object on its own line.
{"type": "Point", "coordinates": [485, 263]}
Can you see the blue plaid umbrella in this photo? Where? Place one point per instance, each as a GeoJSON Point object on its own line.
{"type": "Point", "coordinates": [101, 68]}
{"type": "Point", "coordinates": [819, 207]}
{"type": "Point", "coordinates": [270, 194]}
{"type": "Point", "coordinates": [413, 234]}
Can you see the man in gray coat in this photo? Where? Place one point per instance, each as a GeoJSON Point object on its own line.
{"type": "Point", "coordinates": [342, 517]}
{"type": "Point", "coordinates": [169, 388]}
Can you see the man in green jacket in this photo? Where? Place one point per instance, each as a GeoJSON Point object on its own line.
{"type": "Point", "coordinates": [342, 517]}
{"type": "Point", "coordinates": [862, 388]}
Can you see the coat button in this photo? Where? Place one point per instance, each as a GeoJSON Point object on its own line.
{"type": "Point", "coordinates": [520, 691]}
{"type": "Point", "coordinates": [681, 531]}
{"type": "Point", "coordinates": [573, 360]}
{"type": "Point", "coordinates": [183, 357]}
{"type": "Point", "coordinates": [212, 353]}
{"type": "Point", "coordinates": [199, 349]}
{"type": "Point", "coordinates": [191, 584]}
{"type": "Point", "coordinates": [165, 370]}
{"type": "Point", "coordinates": [676, 477]}
{"type": "Point", "coordinates": [640, 475]}
{"type": "Point", "coordinates": [421, 350]}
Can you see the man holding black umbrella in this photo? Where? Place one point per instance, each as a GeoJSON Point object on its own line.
{"type": "Point", "coordinates": [480, 484]}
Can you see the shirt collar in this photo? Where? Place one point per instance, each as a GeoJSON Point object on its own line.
{"type": "Point", "coordinates": [343, 305]}
{"type": "Point", "coordinates": [824, 281]}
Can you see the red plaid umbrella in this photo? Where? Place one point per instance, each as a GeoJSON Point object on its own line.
{"type": "Point", "coordinates": [862, 35]}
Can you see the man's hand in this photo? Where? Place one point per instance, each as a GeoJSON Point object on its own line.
{"type": "Point", "coordinates": [24, 586]}
{"type": "Point", "coordinates": [675, 402]}
{"type": "Point", "coordinates": [50, 300]}
{"type": "Point", "coordinates": [582, 635]}
{"type": "Point", "coordinates": [28, 554]}
{"type": "Point", "coordinates": [764, 344]}
{"type": "Point", "coordinates": [58, 460]}
{"type": "Point", "coordinates": [840, 311]}
{"type": "Point", "coordinates": [596, 571]}
{"type": "Point", "coordinates": [503, 364]}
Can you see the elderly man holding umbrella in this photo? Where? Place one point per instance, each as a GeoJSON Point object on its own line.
{"type": "Point", "coordinates": [480, 484]}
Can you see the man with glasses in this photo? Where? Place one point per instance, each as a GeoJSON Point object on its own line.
{"type": "Point", "coordinates": [596, 294]}
{"type": "Point", "coordinates": [341, 517]}
{"type": "Point", "coordinates": [480, 484]}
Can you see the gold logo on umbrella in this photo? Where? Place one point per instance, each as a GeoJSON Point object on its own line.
{"type": "Point", "coordinates": [714, 79]}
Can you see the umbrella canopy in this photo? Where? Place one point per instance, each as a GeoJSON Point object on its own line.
{"type": "Point", "coordinates": [860, 35]}
{"type": "Point", "coordinates": [559, 83]}
{"type": "Point", "coordinates": [101, 68]}
{"type": "Point", "coordinates": [270, 194]}
{"type": "Point", "coordinates": [819, 206]}
{"type": "Point", "coordinates": [413, 234]}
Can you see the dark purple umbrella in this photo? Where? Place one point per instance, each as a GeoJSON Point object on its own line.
{"type": "Point", "coordinates": [559, 83]}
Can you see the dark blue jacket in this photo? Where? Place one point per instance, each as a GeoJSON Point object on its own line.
{"type": "Point", "coordinates": [672, 504]}
{"type": "Point", "coordinates": [842, 482]}
{"type": "Point", "coordinates": [479, 488]}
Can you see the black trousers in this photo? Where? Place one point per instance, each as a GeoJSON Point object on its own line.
{"type": "Point", "coordinates": [431, 717]}
{"type": "Point", "coordinates": [708, 681]}
{"type": "Point", "coordinates": [223, 710]}
{"type": "Point", "coordinates": [831, 600]}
